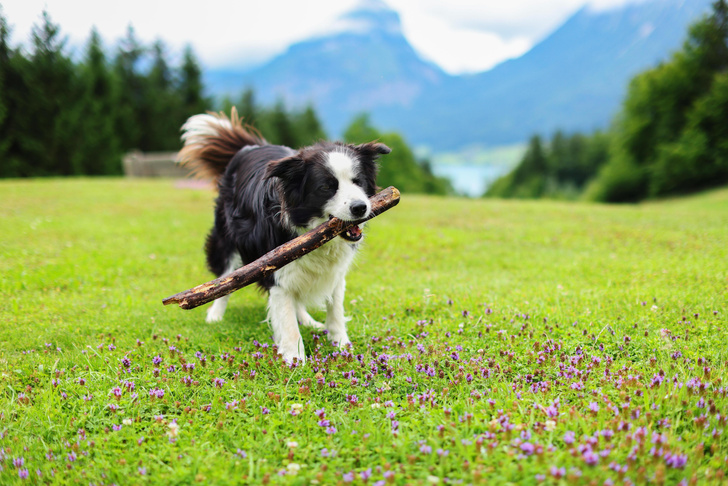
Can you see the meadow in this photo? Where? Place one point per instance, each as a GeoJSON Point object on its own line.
{"type": "Point", "coordinates": [495, 342]}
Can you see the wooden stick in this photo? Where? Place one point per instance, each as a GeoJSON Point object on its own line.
{"type": "Point", "coordinates": [278, 257]}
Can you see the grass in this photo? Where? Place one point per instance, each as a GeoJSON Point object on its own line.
{"type": "Point", "coordinates": [494, 341]}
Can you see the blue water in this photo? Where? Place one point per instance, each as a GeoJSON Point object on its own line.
{"type": "Point", "coordinates": [470, 180]}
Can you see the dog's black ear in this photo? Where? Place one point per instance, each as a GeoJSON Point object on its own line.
{"type": "Point", "coordinates": [286, 168]}
{"type": "Point", "coordinates": [372, 149]}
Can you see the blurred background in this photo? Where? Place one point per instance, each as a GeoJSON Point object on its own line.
{"type": "Point", "coordinates": [607, 100]}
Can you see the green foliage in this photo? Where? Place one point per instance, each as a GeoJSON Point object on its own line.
{"type": "Point", "coordinates": [478, 327]}
{"type": "Point", "coordinates": [308, 127]}
{"type": "Point", "coordinates": [61, 117]}
{"type": "Point", "coordinates": [670, 136]}
{"type": "Point", "coordinates": [58, 117]}
{"type": "Point", "coordinates": [621, 180]}
{"type": "Point", "coordinates": [278, 125]}
{"type": "Point", "coordinates": [400, 168]}
{"type": "Point", "coordinates": [559, 170]}
{"type": "Point", "coordinates": [699, 158]}
{"type": "Point", "coordinates": [98, 148]}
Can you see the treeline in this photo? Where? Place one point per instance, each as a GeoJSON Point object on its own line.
{"type": "Point", "coordinates": [671, 136]}
{"type": "Point", "coordinates": [401, 168]}
{"type": "Point", "coordinates": [558, 169]}
{"type": "Point", "coordinates": [66, 117]}
{"type": "Point", "coordinates": [62, 117]}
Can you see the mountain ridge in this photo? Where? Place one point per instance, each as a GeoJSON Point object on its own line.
{"type": "Point", "coordinates": [573, 79]}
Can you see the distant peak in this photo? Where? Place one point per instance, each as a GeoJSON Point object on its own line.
{"type": "Point", "coordinates": [370, 16]}
{"type": "Point", "coordinates": [371, 5]}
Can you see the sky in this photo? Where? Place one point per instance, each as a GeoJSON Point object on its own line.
{"type": "Point", "coordinates": [460, 36]}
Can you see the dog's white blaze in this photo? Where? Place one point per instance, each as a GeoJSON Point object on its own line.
{"type": "Point", "coordinates": [342, 166]}
{"type": "Point", "coordinates": [344, 169]}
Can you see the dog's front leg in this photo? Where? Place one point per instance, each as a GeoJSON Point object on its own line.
{"type": "Point", "coordinates": [282, 318]}
{"type": "Point", "coordinates": [335, 319]}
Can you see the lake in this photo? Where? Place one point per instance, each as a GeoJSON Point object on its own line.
{"type": "Point", "coordinates": [470, 179]}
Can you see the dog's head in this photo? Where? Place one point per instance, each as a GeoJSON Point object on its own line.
{"type": "Point", "coordinates": [328, 179]}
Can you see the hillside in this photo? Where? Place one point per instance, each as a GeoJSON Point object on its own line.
{"type": "Point", "coordinates": [366, 66]}
{"type": "Point", "coordinates": [573, 79]}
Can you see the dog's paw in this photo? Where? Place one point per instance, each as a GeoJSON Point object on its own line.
{"type": "Point", "coordinates": [216, 310]}
{"type": "Point", "coordinates": [289, 357]}
{"type": "Point", "coordinates": [309, 321]}
{"type": "Point", "coordinates": [340, 340]}
{"type": "Point", "coordinates": [291, 351]}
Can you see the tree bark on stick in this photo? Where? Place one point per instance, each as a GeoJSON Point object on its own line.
{"type": "Point", "coordinates": [278, 257]}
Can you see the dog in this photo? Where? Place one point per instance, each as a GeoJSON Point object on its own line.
{"type": "Point", "coordinates": [270, 194]}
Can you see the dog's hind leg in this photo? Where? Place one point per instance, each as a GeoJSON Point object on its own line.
{"type": "Point", "coordinates": [217, 309]}
{"type": "Point", "coordinates": [305, 319]}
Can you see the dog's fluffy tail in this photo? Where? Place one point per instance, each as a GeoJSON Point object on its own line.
{"type": "Point", "coordinates": [211, 140]}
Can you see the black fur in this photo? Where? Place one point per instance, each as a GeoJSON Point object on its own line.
{"type": "Point", "coordinates": [269, 194]}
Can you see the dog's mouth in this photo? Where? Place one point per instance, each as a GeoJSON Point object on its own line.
{"type": "Point", "coordinates": [353, 234]}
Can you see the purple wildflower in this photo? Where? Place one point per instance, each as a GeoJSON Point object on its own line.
{"type": "Point", "coordinates": [527, 448]}
{"type": "Point", "coordinates": [590, 458]}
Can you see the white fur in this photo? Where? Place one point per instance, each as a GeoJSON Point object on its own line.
{"type": "Point", "coordinates": [344, 169]}
{"type": "Point", "coordinates": [199, 129]}
{"type": "Point", "coordinates": [319, 277]}
{"type": "Point", "coordinates": [217, 309]}
{"type": "Point", "coordinates": [315, 279]}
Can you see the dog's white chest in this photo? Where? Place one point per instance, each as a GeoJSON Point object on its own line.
{"type": "Point", "coordinates": [313, 277]}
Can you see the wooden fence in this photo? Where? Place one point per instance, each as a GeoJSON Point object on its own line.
{"type": "Point", "coordinates": [153, 164]}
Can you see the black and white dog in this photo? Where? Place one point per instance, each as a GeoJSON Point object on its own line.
{"type": "Point", "coordinates": [268, 195]}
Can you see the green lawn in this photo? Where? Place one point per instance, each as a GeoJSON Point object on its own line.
{"type": "Point", "coordinates": [494, 341]}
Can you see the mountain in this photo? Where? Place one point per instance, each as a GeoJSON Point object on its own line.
{"type": "Point", "coordinates": [365, 65]}
{"type": "Point", "coordinates": [574, 79]}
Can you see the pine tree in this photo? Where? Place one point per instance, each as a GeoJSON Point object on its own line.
{"type": "Point", "coordinates": [161, 127]}
{"type": "Point", "coordinates": [190, 88]}
{"type": "Point", "coordinates": [129, 121]}
{"type": "Point", "coordinates": [308, 127]}
{"type": "Point", "coordinates": [7, 168]}
{"type": "Point", "coordinates": [247, 108]}
{"type": "Point", "coordinates": [281, 128]}
{"type": "Point", "coordinates": [99, 150]}
{"type": "Point", "coordinates": [52, 105]}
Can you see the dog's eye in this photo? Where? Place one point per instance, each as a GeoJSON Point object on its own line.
{"type": "Point", "coordinates": [325, 187]}
{"type": "Point", "coordinates": [357, 181]}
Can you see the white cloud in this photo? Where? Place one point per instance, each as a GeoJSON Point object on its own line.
{"type": "Point", "coordinates": [459, 35]}
{"type": "Point", "coordinates": [600, 5]}
{"type": "Point", "coordinates": [458, 49]}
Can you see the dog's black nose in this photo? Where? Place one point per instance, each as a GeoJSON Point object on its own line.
{"type": "Point", "coordinates": [358, 208]}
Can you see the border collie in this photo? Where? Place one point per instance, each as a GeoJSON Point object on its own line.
{"type": "Point", "coordinates": [268, 195]}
